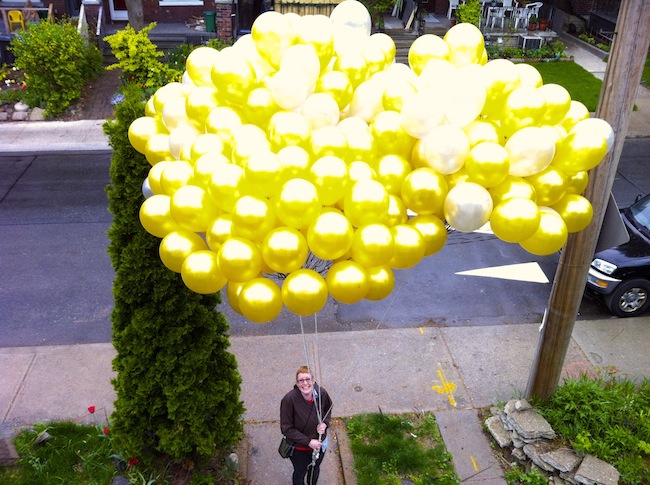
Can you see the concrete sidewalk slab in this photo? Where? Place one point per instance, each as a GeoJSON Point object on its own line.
{"type": "Point", "coordinates": [53, 136]}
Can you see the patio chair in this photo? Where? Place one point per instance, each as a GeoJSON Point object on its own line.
{"type": "Point", "coordinates": [453, 5]}
{"type": "Point", "coordinates": [15, 18]}
{"type": "Point", "coordinates": [523, 14]}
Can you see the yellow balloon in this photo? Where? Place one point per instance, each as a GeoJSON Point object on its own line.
{"type": "Point", "coordinates": [297, 205]}
{"type": "Point", "coordinates": [199, 65]}
{"type": "Point", "coordinates": [445, 148]}
{"type": "Point", "coordinates": [501, 77]}
{"type": "Point", "coordinates": [373, 245]}
{"type": "Point", "coordinates": [358, 170]}
{"type": "Point", "coordinates": [515, 219]}
{"type": "Point", "coordinates": [424, 191]}
{"type": "Point", "coordinates": [524, 106]}
{"type": "Point", "coordinates": [581, 150]}
{"type": "Point", "coordinates": [260, 300]}
{"type": "Point", "coordinates": [575, 183]}
{"type": "Point", "coordinates": [247, 140]}
{"type": "Point", "coordinates": [385, 44]}
{"type": "Point", "coordinates": [157, 149]}
{"type": "Point", "coordinates": [330, 177]}
{"type": "Point", "coordinates": [288, 128]}
{"type": "Point", "coordinates": [174, 113]}
{"type": "Point", "coordinates": [558, 103]}
{"type": "Point", "coordinates": [433, 231]}
{"type": "Point", "coordinates": [361, 144]}
{"type": "Point", "coordinates": [262, 172]}
{"type": "Point", "coordinates": [425, 48]}
{"type": "Point", "coordinates": [175, 175]}
{"type": "Point", "coordinates": [290, 87]}
{"type": "Point", "coordinates": [354, 66]}
{"type": "Point", "coordinates": [328, 140]}
{"type": "Point", "coordinates": [480, 131]}
{"type": "Point", "coordinates": [391, 171]}
{"type": "Point", "coordinates": [284, 249]}
{"type": "Point", "coordinates": [219, 231]}
{"type": "Point", "coordinates": [233, 288]}
{"type": "Point", "coordinates": [347, 282]}
{"type": "Point", "coordinates": [330, 235]}
{"type": "Point", "coordinates": [168, 92]}
{"type": "Point", "coordinates": [530, 150]}
{"type": "Point", "coordinates": [396, 211]}
{"type": "Point", "coordinates": [512, 187]}
{"type": "Point", "coordinates": [528, 75]}
{"type": "Point", "coordinates": [550, 236]}
{"type": "Point", "coordinates": [367, 100]}
{"type": "Point", "coordinates": [337, 85]}
{"type": "Point", "coordinates": [223, 121]}
{"type": "Point", "coordinates": [155, 173]}
{"type": "Point", "coordinates": [201, 274]}
{"type": "Point", "coordinates": [181, 139]}
{"type": "Point", "coordinates": [382, 282]}
{"type": "Point", "coordinates": [549, 185]}
{"type": "Point", "coordinates": [320, 109]}
{"type": "Point", "coordinates": [317, 31]}
{"type": "Point", "coordinates": [192, 208]}
{"type": "Point", "coordinates": [156, 217]}
{"type": "Point", "coordinates": [234, 78]}
{"type": "Point", "coordinates": [260, 107]}
{"type": "Point", "coordinates": [204, 167]}
{"type": "Point", "coordinates": [294, 163]}
{"type": "Point", "coordinates": [397, 93]}
{"type": "Point", "coordinates": [141, 129]}
{"type": "Point", "coordinates": [487, 164]}
{"type": "Point", "coordinates": [252, 218]}
{"type": "Point", "coordinates": [390, 136]}
{"type": "Point", "coordinates": [465, 43]}
{"type": "Point", "coordinates": [457, 178]}
{"type": "Point", "coordinates": [273, 34]}
{"type": "Point", "coordinates": [576, 211]}
{"type": "Point", "coordinates": [366, 203]}
{"type": "Point", "coordinates": [199, 104]}
{"type": "Point", "coordinates": [177, 246]}
{"type": "Point", "coordinates": [225, 185]}
{"type": "Point", "coordinates": [409, 246]}
{"type": "Point", "coordinates": [304, 292]}
{"type": "Point", "coordinates": [468, 207]}
{"type": "Point", "coordinates": [239, 259]}
{"type": "Point", "coordinates": [577, 112]}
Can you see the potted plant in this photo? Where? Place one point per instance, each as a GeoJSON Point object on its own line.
{"type": "Point", "coordinates": [532, 22]}
{"type": "Point", "coordinates": [543, 24]}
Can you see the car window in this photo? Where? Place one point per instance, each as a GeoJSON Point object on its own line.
{"type": "Point", "coordinates": [640, 211]}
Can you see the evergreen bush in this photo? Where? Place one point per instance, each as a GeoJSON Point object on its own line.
{"type": "Point", "coordinates": [177, 385]}
{"type": "Point", "coordinates": [56, 62]}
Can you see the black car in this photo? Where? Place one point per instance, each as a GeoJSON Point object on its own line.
{"type": "Point", "coordinates": [621, 275]}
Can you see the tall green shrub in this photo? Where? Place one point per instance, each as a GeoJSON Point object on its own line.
{"type": "Point", "coordinates": [57, 64]}
{"type": "Point", "coordinates": [177, 385]}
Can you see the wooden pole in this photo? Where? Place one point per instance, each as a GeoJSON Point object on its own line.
{"type": "Point", "coordinates": [622, 79]}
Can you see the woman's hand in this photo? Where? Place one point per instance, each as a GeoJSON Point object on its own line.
{"type": "Point", "coordinates": [321, 428]}
{"type": "Point", "coordinates": [315, 444]}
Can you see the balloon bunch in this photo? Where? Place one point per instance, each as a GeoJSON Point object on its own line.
{"type": "Point", "coordinates": [305, 143]}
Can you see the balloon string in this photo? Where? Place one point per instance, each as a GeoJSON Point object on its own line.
{"type": "Point", "coordinates": [315, 395]}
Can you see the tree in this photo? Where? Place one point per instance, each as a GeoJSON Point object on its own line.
{"type": "Point", "coordinates": [177, 385]}
{"type": "Point", "coordinates": [135, 13]}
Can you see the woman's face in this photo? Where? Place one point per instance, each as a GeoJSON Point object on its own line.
{"type": "Point", "coordinates": [305, 384]}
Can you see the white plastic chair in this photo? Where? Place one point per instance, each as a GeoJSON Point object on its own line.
{"type": "Point", "coordinates": [453, 5]}
{"type": "Point", "coordinates": [523, 14]}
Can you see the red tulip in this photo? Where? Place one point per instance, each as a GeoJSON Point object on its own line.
{"type": "Point", "coordinates": [132, 461]}
{"type": "Point", "coordinates": [91, 409]}
{"type": "Point", "coordinates": [106, 431]}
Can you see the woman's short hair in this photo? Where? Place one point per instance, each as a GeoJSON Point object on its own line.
{"type": "Point", "coordinates": [303, 369]}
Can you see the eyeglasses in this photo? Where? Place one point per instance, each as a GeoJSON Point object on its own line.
{"type": "Point", "coordinates": [306, 379]}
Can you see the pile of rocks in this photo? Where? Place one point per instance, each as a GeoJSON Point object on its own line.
{"type": "Point", "coordinates": [21, 112]}
{"type": "Point", "coordinates": [530, 439]}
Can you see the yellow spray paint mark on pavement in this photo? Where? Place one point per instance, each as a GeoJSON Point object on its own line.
{"type": "Point", "coordinates": [422, 330]}
{"type": "Point", "coordinates": [474, 463]}
{"type": "Point", "coordinates": [446, 388]}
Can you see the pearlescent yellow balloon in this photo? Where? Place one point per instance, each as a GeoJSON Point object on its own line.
{"type": "Point", "coordinates": [192, 208]}
{"type": "Point", "coordinates": [528, 75]}
{"type": "Point", "coordinates": [409, 246]}
{"type": "Point", "coordinates": [530, 150]}
{"type": "Point", "coordinates": [284, 249]}
{"type": "Point", "coordinates": [239, 259]}
{"type": "Point", "coordinates": [382, 282]}
{"type": "Point", "coordinates": [457, 178]}
{"type": "Point", "coordinates": [337, 85]}
{"type": "Point", "coordinates": [576, 211]}
{"type": "Point", "coordinates": [294, 163]}
{"type": "Point", "coordinates": [575, 183]}
{"type": "Point", "coordinates": [396, 93]}
{"type": "Point", "coordinates": [396, 212]}
{"type": "Point", "coordinates": [153, 178]}
{"type": "Point", "coordinates": [366, 100]}
{"type": "Point", "coordinates": [156, 217]}
{"type": "Point", "coordinates": [549, 185]}
{"type": "Point", "coordinates": [361, 144]}
{"type": "Point", "coordinates": [290, 87]}
{"type": "Point", "coordinates": [260, 107]}
{"type": "Point", "coordinates": [480, 131]}
{"type": "Point", "coordinates": [374, 56]}
{"type": "Point", "coordinates": [174, 113]}
{"type": "Point", "coordinates": [501, 77]}
{"type": "Point", "coordinates": [328, 141]}
{"type": "Point", "coordinates": [445, 148]}
{"type": "Point", "coordinates": [252, 218]}
{"type": "Point", "coordinates": [301, 57]}
{"type": "Point", "coordinates": [330, 235]}
{"type": "Point", "coordinates": [167, 93]}
{"type": "Point", "coordinates": [233, 289]}
{"type": "Point", "coordinates": [354, 66]}
{"type": "Point", "coordinates": [424, 191]}
{"type": "Point", "coordinates": [223, 121]}
{"type": "Point", "coordinates": [297, 205]}
{"type": "Point", "coordinates": [465, 43]}
{"type": "Point", "coordinates": [199, 104]}
{"type": "Point", "coordinates": [390, 136]}
{"type": "Point", "coordinates": [199, 65]}
{"type": "Point", "coordinates": [150, 109]}
{"type": "Point", "coordinates": [201, 274]}
{"type": "Point", "coordinates": [468, 207]}
{"type": "Point", "coordinates": [175, 175]}
{"type": "Point", "coordinates": [515, 219]}
{"type": "Point", "coordinates": [317, 31]}
{"type": "Point", "coordinates": [373, 245]}
{"type": "Point", "coordinates": [330, 177]}
{"type": "Point", "coordinates": [225, 186]}
{"type": "Point", "coordinates": [347, 282]}
{"type": "Point", "coordinates": [433, 231]}
{"type": "Point", "coordinates": [177, 246]}
{"type": "Point", "coordinates": [358, 170]}
{"type": "Point", "coordinates": [577, 112]}
{"type": "Point", "coordinates": [263, 172]}
{"type": "Point", "coordinates": [512, 187]}
{"type": "Point", "coordinates": [204, 166]}
{"type": "Point", "coordinates": [141, 129]}
{"type": "Point", "coordinates": [273, 34]}
{"type": "Point", "coordinates": [487, 164]}
{"type": "Point", "coordinates": [425, 48]}
{"type": "Point", "coordinates": [157, 149]}
{"type": "Point", "coordinates": [550, 236]}
{"type": "Point", "coordinates": [320, 109]}
{"type": "Point", "coordinates": [234, 78]}
{"type": "Point", "coordinates": [288, 128]}
{"type": "Point", "coordinates": [558, 103]}
{"type": "Point", "coordinates": [391, 171]}
{"type": "Point", "coordinates": [260, 300]}
{"type": "Point", "coordinates": [366, 203]}
{"type": "Point", "coordinates": [524, 106]}
{"type": "Point", "coordinates": [181, 139]}
{"type": "Point", "coordinates": [219, 231]}
{"type": "Point", "coordinates": [204, 144]}
{"type": "Point", "coordinates": [304, 292]}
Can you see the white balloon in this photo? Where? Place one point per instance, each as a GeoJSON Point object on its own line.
{"type": "Point", "coordinates": [146, 188]}
{"type": "Point", "coordinates": [445, 149]}
{"type": "Point", "coordinates": [291, 87]}
{"type": "Point", "coordinates": [320, 109]}
{"type": "Point", "coordinates": [421, 113]}
{"type": "Point", "coordinates": [181, 136]}
{"type": "Point", "coordinates": [468, 207]}
{"type": "Point", "coordinates": [367, 99]}
{"type": "Point", "coordinates": [301, 56]}
{"type": "Point", "coordinates": [530, 150]}
{"type": "Point", "coordinates": [351, 25]}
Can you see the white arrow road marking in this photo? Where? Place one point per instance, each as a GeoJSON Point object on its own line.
{"type": "Point", "coordinates": [530, 272]}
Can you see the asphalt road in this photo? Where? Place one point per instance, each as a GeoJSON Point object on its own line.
{"type": "Point", "coordinates": [57, 278]}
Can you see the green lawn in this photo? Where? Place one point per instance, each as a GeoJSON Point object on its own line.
{"type": "Point", "coordinates": [581, 84]}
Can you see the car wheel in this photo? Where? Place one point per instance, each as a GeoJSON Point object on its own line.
{"type": "Point", "coordinates": [629, 299]}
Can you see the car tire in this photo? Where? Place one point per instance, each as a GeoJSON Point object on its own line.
{"type": "Point", "coordinates": [629, 299]}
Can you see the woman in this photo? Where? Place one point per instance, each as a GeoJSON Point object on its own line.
{"type": "Point", "coordinates": [305, 413]}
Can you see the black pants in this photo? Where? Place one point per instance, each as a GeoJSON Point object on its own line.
{"type": "Point", "coordinates": [301, 461]}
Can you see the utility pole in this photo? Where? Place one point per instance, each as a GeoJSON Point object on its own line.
{"type": "Point", "coordinates": [622, 79]}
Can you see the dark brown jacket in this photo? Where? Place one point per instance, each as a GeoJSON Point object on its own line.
{"type": "Point", "coordinates": [299, 418]}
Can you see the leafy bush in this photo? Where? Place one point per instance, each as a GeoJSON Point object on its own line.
{"type": "Point", "coordinates": [470, 12]}
{"type": "Point", "coordinates": [138, 58]}
{"type": "Point", "coordinates": [57, 64]}
{"type": "Point", "coordinates": [608, 418]}
{"type": "Point", "coordinates": [177, 385]}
